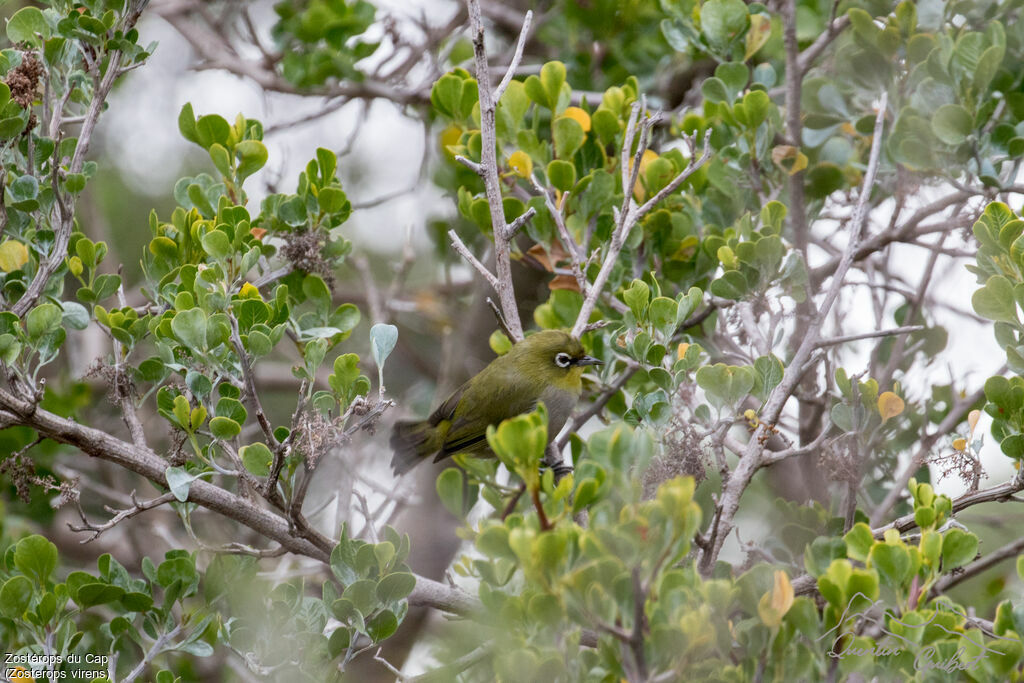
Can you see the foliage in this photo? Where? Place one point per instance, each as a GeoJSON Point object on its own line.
{"type": "Point", "coordinates": [694, 247]}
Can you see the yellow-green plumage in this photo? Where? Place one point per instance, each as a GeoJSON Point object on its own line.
{"type": "Point", "coordinates": [543, 367]}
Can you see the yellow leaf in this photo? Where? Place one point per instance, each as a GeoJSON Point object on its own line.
{"type": "Point", "coordinates": [520, 163]}
{"type": "Point", "coordinates": [249, 291]}
{"type": "Point", "coordinates": [579, 116]}
{"type": "Point", "coordinates": [681, 350]}
{"type": "Point", "coordinates": [638, 191]}
{"type": "Point", "coordinates": [13, 255]}
{"type": "Point", "coordinates": [959, 444]}
{"type": "Point", "coordinates": [20, 674]}
{"type": "Point", "coordinates": [450, 136]}
{"type": "Point", "coordinates": [972, 419]}
{"type": "Point", "coordinates": [889, 405]}
{"type": "Point", "coordinates": [257, 233]}
{"type": "Point", "coordinates": [797, 160]}
{"type": "Point", "coordinates": [775, 603]}
{"type": "Point", "coordinates": [757, 35]}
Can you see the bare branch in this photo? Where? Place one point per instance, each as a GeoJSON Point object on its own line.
{"type": "Point", "coordinates": [571, 247]}
{"type": "Point", "coordinates": [833, 341]}
{"type": "Point", "coordinates": [515, 226]}
{"type": "Point", "coordinates": [629, 216]}
{"type": "Point", "coordinates": [489, 173]}
{"type": "Point", "coordinates": [145, 462]}
{"type": "Point", "coordinates": [1001, 493]}
{"type": "Point", "coordinates": [516, 57]}
{"type": "Point", "coordinates": [138, 507]}
{"type": "Point", "coordinates": [753, 457]}
{"type": "Point", "coordinates": [465, 253]}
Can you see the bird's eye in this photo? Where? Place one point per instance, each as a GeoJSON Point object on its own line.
{"type": "Point", "coordinates": [563, 360]}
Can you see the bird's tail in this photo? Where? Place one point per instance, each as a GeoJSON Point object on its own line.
{"type": "Point", "coordinates": [412, 443]}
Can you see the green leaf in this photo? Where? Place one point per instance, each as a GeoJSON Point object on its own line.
{"type": "Point", "coordinates": [24, 191]}
{"type": "Point", "coordinates": [958, 548]}
{"type": "Point", "coordinates": [734, 76]}
{"type": "Point", "coordinates": [394, 587]}
{"type": "Point", "coordinates": [382, 626]}
{"type": "Point", "coordinates": [561, 175]}
{"type": "Point", "coordinates": [605, 124]}
{"type": "Point", "coordinates": [988, 66]}
{"type": "Point", "coordinates": [189, 326]}
{"type": "Point", "coordinates": [520, 442]}
{"type": "Point", "coordinates": [338, 643]}
{"type": "Point", "coordinates": [328, 162]}
{"type": "Point", "coordinates": [732, 285]}
{"type": "Point", "coordinates": [714, 90]}
{"type": "Point", "coordinates": [332, 200]}
{"type": "Point", "coordinates": [449, 490]}
{"type": "Point", "coordinates": [251, 312]}
{"type": "Point", "coordinates": [1013, 446]}
{"type": "Point", "coordinates": [216, 244]}
{"type": "Point", "coordinates": [35, 557]}
{"type": "Point", "coordinates": [221, 159]}
{"type": "Point", "coordinates": [224, 428]}
{"type": "Point", "coordinates": [98, 593]}
{"type": "Point", "coordinates": [636, 297]}
{"type": "Point", "coordinates": [892, 562]}
{"type": "Point", "coordinates": [25, 24]}
{"type": "Point", "coordinates": [212, 129]}
{"type": "Point", "coordinates": [362, 594]}
{"type": "Point", "coordinates": [722, 20]}
{"type": "Point", "coordinates": [187, 123]}
{"type": "Point", "coordinates": [662, 314]}
{"type": "Point", "coordinates": [952, 124]}
{"type": "Point", "coordinates": [42, 320]}
{"type": "Point", "coordinates": [859, 541]}
{"type": "Point", "coordinates": [995, 300]}
{"type": "Point", "coordinates": [725, 384]}
{"type": "Point", "coordinates": [552, 77]}
{"type": "Point", "coordinates": [383, 338]}
{"type": "Point", "coordinates": [757, 106]}
{"type": "Point", "coordinates": [252, 156]}
{"type": "Point", "coordinates": [568, 136]}
{"type": "Point", "coordinates": [15, 596]}
{"type": "Point", "coordinates": [257, 458]}
{"type": "Point", "coordinates": [137, 602]}
{"type": "Point", "coordinates": [178, 481]}
{"type": "Point", "coordinates": [769, 371]}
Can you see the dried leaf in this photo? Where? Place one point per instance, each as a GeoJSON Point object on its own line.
{"type": "Point", "coordinates": [972, 419]}
{"type": "Point", "coordinates": [564, 282]}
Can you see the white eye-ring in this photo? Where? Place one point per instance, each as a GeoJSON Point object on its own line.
{"type": "Point", "coordinates": [563, 360]}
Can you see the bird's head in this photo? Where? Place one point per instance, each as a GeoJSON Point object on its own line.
{"type": "Point", "coordinates": [552, 356]}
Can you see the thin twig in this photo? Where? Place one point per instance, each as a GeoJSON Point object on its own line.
{"type": "Point", "coordinates": [833, 341]}
{"type": "Point", "coordinates": [138, 507]}
{"type": "Point", "coordinates": [465, 253]}
{"type": "Point", "coordinates": [628, 215]}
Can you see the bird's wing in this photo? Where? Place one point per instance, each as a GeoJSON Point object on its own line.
{"type": "Point", "coordinates": [496, 394]}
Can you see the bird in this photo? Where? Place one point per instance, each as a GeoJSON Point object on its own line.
{"type": "Point", "coordinates": [546, 366]}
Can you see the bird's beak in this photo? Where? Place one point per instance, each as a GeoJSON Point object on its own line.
{"type": "Point", "coordinates": [588, 360]}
